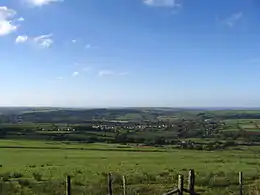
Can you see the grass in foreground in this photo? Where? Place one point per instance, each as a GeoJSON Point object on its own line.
{"type": "Point", "coordinates": [42, 171]}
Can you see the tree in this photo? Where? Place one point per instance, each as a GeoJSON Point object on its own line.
{"type": "Point", "coordinates": [160, 141]}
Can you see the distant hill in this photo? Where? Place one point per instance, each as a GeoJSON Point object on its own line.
{"type": "Point", "coordinates": [83, 115]}
{"type": "Point", "coordinates": [48, 115]}
{"type": "Point", "coordinates": [20, 110]}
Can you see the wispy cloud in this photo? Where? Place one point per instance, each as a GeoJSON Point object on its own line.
{"type": "Point", "coordinates": [105, 73]}
{"type": "Point", "coordinates": [162, 3]}
{"type": "Point", "coordinates": [74, 74]}
{"type": "Point", "coordinates": [74, 41]}
{"type": "Point", "coordinates": [21, 19]}
{"type": "Point", "coordinates": [44, 41]}
{"type": "Point", "coordinates": [7, 18]}
{"type": "Point", "coordinates": [39, 3]}
{"type": "Point", "coordinates": [88, 46]}
{"type": "Point", "coordinates": [21, 39]}
{"type": "Point", "coordinates": [232, 20]}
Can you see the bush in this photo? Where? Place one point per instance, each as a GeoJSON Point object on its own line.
{"type": "Point", "coordinates": [24, 182]}
{"type": "Point", "coordinates": [78, 183]}
{"type": "Point", "coordinates": [16, 175]}
{"type": "Point", "coordinates": [5, 176]}
{"type": "Point", "coordinates": [37, 176]}
{"type": "Point", "coordinates": [32, 166]}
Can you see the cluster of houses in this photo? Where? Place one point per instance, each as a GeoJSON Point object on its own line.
{"type": "Point", "coordinates": [109, 126]}
{"type": "Point", "coordinates": [129, 126]}
{"type": "Point", "coordinates": [113, 125]}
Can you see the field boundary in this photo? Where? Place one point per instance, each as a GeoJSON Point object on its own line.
{"type": "Point", "coordinates": [180, 190]}
{"type": "Point", "coordinates": [87, 149]}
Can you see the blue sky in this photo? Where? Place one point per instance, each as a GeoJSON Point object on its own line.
{"type": "Point", "coordinates": [107, 53]}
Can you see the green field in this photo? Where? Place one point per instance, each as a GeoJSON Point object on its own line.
{"type": "Point", "coordinates": [37, 170]}
{"type": "Point", "coordinates": [217, 144]}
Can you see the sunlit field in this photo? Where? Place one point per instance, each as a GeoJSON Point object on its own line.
{"type": "Point", "coordinates": [148, 170]}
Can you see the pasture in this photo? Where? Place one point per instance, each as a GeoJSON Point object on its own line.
{"type": "Point", "coordinates": [40, 168]}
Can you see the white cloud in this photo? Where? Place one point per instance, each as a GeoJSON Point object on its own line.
{"type": "Point", "coordinates": [74, 41]}
{"type": "Point", "coordinates": [74, 74]}
{"type": "Point", "coordinates": [162, 3]}
{"type": "Point", "coordinates": [111, 73]}
{"type": "Point", "coordinates": [6, 13]}
{"type": "Point", "coordinates": [105, 73]}
{"type": "Point", "coordinates": [39, 3]}
{"type": "Point", "coordinates": [21, 39]}
{"type": "Point", "coordinates": [90, 46]}
{"type": "Point", "coordinates": [232, 20]}
{"type": "Point", "coordinates": [44, 41]}
{"type": "Point", "coordinates": [21, 19]}
{"type": "Point", "coordinates": [7, 25]}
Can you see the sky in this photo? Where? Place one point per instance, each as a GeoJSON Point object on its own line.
{"type": "Point", "coordinates": [130, 53]}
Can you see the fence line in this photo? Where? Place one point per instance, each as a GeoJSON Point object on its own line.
{"type": "Point", "coordinates": [124, 186]}
{"type": "Point", "coordinates": [240, 181]}
{"type": "Point", "coordinates": [68, 185]}
{"type": "Point", "coordinates": [180, 190]}
{"type": "Point", "coordinates": [110, 191]}
{"type": "Point", "coordinates": [191, 181]}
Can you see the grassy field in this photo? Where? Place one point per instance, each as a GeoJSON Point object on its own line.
{"type": "Point", "coordinates": [37, 169]}
{"type": "Point", "coordinates": [232, 111]}
{"type": "Point", "coordinates": [244, 124]}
